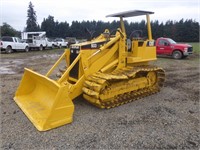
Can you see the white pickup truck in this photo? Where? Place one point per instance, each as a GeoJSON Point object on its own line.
{"type": "Point", "coordinates": [60, 42]}
{"type": "Point", "coordinates": [10, 44]}
{"type": "Point", "coordinates": [50, 43]}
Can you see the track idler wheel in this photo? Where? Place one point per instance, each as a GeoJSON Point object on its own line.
{"type": "Point", "coordinates": [152, 78]}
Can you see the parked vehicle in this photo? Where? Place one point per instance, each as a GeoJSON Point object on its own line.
{"type": "Point", "coordinates": [50, 43]}
{"type": "Point", "coordinates": [167, 46]}
{"type": "Point", "coordinates": [10, 44]}
{"type": "Point", "coordinates": [60, 42]}
{"type": "Point", "coordinates": [37, 40]}
{"type": "Point", "coordinates": [71, 40]}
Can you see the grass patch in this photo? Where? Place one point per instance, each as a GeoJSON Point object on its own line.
{"type": "Point", "coordinates": [196, 47]}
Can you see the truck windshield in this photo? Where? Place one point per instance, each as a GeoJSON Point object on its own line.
{"type": "Point", "coordinates": [171, 41]}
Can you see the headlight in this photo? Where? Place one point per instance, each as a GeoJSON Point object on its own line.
{"type": "Point", "coordinates": [185, 49]}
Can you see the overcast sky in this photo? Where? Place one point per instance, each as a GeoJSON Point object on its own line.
{"type": "Point", "coordinates": [14, 12]}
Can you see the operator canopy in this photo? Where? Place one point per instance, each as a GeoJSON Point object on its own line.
{"type": "Point", "coordinates": [130, 13]}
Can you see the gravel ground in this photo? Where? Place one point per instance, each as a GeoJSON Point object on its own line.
{"type": "Point", "coordinates": [166, 120]}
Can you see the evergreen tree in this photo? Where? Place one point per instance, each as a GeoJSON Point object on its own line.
{"type": "Point", "coordinates": [32, 19]}
{"type": "Point", "coordinates": [49, 26]}
{"type": "Point", "coordinates": [168, 29]}
{"type": "Point", "coordinates": [180, 31]}
{"type": "Point", "coordinates": [77, 30]}
{"type": "Point", "coordinates": [62, 29]}
{"type": "Point", "coordinates": [7, 30]}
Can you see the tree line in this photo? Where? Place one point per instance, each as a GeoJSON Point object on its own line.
{"type": "Point", "coordinates": [181, 31]}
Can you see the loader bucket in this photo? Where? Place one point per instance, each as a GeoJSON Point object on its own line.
{"type": "Point", "coordinates": [45, 102]}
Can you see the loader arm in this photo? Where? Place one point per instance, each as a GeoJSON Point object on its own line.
{"type": "Point", "coordinates": [97, 61]}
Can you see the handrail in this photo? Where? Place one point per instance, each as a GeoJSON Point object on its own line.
{"type": "Point", "coordinates": [56, 64]}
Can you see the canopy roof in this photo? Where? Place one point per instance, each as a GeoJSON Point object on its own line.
{"type": "Point", "coordinates": [130, 13]}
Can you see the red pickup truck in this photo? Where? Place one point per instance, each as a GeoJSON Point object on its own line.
{"type": "Point", "coordinates": [167, 46]}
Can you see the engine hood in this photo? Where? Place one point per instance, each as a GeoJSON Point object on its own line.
{"type": "Point", "coordinates": [89, 45]}
{"type": "Point", "coordinates": [181, 45]}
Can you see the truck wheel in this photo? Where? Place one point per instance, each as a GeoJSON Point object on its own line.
{"type": "Point", "coordinates": [8, 49]}
{"type": "Point", "coordinates": [53, 46]}
{"type": "Point", "coordinates": [41, 48]}
{"type": "Point", "coordinates": [177, 55]}
{"type": "Point", "coordinates": [26, 49]}
{"type": "Point", "coordinates": [60, 46]}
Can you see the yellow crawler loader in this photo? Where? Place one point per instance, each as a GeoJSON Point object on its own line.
{"type": "Point", "coordinates": [110, 70]}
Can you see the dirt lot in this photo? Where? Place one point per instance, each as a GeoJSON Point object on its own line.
{"type": "Point", "coordinates": [167, 120]}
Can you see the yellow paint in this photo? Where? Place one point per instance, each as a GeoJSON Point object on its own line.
{"type": "Point", "coordinates": [44, 101]}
